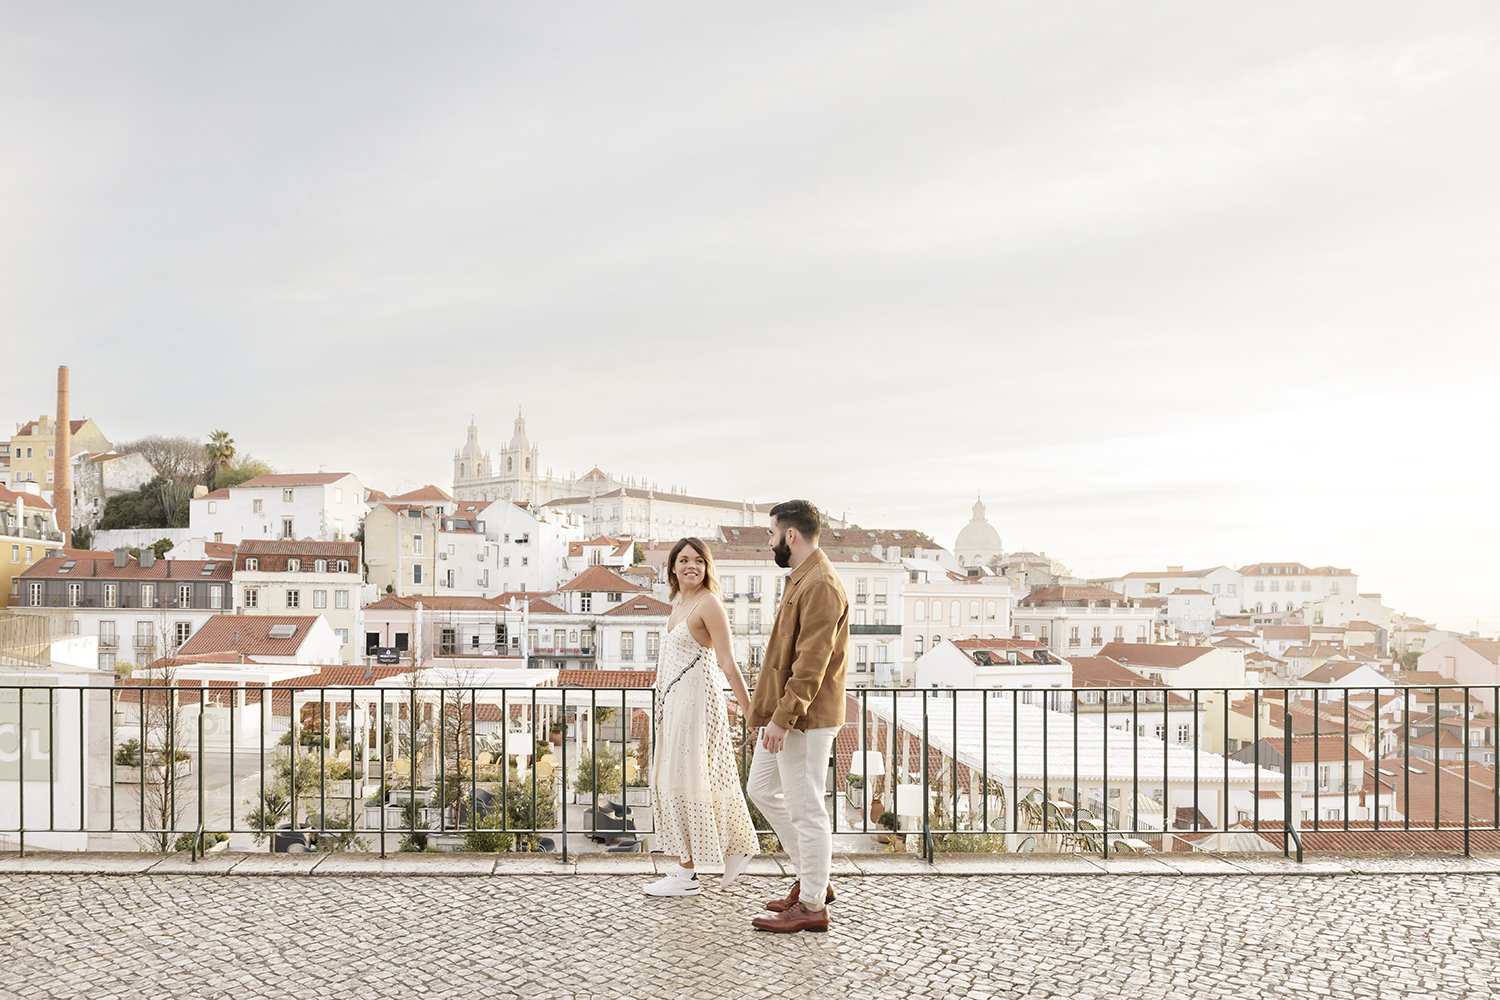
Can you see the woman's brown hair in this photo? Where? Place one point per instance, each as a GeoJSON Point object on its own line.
{"type": "Point", "coordinates": [710, 578]}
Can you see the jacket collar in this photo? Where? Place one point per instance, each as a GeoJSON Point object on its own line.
{"type": "Point", "coordinates": [817, 558]}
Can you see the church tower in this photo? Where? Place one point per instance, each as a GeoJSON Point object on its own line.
{"type": "Point", "coordinates": [519, 469]}
{"type": "Point", "coordinates": [470, 462]}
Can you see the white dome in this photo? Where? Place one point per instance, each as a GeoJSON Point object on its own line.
{"type": "Point", "coordinates": [978, 542]}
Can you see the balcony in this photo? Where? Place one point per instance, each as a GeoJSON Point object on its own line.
{"type": "Point", "coordinates": [109, 642]}
{"type": "Point", "coordinates": [874, 629]}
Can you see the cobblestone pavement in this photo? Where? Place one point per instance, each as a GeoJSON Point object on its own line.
{"type": "Point", "coordinates": [894, 935]}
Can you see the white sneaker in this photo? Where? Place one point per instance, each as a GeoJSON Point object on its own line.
{"type": "Point", "coordinates": [679, 881]}
{"type": "Point", "coordinates": [734, 867]}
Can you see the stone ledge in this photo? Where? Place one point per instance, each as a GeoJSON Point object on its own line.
{"type": "Point", "coordinates": [766, 866]}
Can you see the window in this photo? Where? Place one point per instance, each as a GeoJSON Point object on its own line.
{"type": "Point", "coordinates": [341, 599]}
{"type": "Point", "coordinates": [143, 639]}
{"type": "Point", "coordinates": [989, 610]}
{"type": "Point", "coordinates": [1260, 586]}
{"type": "Point", "coordinates": [1119, 633]}
{"type": "Point", "coordinates": [342, 566]}
{"type": "Point", "coordinates": [880, 585]}
{"type": "Point", "coordinates": [294, 598]}
{"type": "Point", "coordinates": [916, 645]}
{"type": "Point", "coordinates": [953, 612]}
{"type": "Point", "coordinates": [252, 597]}
{"type": "Point", "coordinates": [973, 611]}
{"type": "Point", "coordinates": [216, 598]}
{"type": "Point", "coordinates": [181, 632]}
{"type": "Point", "coordinates": [338, 494]}
{"type": "Point", "coordinates": [286, 496]}
{"type": "Point", "coordinates": [919, 611]}
{"type": "Point", "coordinates": [111, 595]}
{"type": "Point", "coordinates": [1232, 588]}
{"type": "Point", "coordinates": [1161, 730]}
{"type": "Point", "coordinates": [627, 645]}
{"type": "Point", "coordinates": [1140, 633]}
{"type": "Point", "coordinates": [286, 528]}
{"type": "Point", "coordinates": [343, 635]}
{"type": "Point", "coordinates": [75, 594]}
{"type": "Point", "coordinates": [416, 573]}
{"type": "Point", "coordinates": [184, 595]}
{"type": "Point", "coordinates": [559, 638]}
{"type": "Point", "coordinates": [213, 506]}
{"type": "Point", "coordinates": [861, 590]}
{"type": "Point", "coordinates": [727, 584]}
{"type": "Point", "coordinates": [320, 599]}
{"type": "Point", "coordinates": [754, 624]}
{"type": "Point", "coordinates": [880, 616]}
{"type": "Point", "coordinates": [258, 506]}
{"type": "Point", "coordinates": [505, 561]}
{"type": "Point", "coordinates": [1098, 636]}
{"type": "Point", "coordinates": [107, 637]}
{"type": "Point", "coordinates": [525, 560]}
{"type": "Point", "coordinates": [294, 565]}
{"type": "Point", "coordinates": [653, 645]}
{"type": "Point", "coordinates": [252, 565]}
{"type": "Point", "coordinates": [1275, 586]}
{"type": "Point", "coordinates": [148, 595]}
{"type": "Point", "coordinates": [416, 545]}
{"type": "Point", "coordinates": [861, 655]}
{"type": "Point", "coordinates": [15, 553]}
{"type": "Point", "coordinates": [1184, 733]}
{"type": "Point", "coordinates": [1073, 639]}
{"type": "Point", "coordinates": [755, 588]}
{"type": "Point", "coordinates": [586, 602]}
{"type": "Point", "coordinates": [859, 616]}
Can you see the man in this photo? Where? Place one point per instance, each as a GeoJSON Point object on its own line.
{"type": "Point", "coordinates": [799, 702]}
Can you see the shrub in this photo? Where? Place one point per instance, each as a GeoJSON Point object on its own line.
{"type": "Point", "coordinates": [128, 754]}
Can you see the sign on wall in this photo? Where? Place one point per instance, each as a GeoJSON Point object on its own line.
{"type": "Point", "coordinates": [27, 726]}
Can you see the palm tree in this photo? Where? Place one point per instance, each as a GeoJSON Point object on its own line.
{"type": "Point", "coordinates": [220, 449]}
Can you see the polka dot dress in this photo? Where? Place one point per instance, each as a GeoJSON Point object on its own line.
{"type": "Point", "coordinates": [697, 806]}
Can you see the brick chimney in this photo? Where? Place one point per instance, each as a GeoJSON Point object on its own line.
{"type": "Point", "coordinates": [62, 465]}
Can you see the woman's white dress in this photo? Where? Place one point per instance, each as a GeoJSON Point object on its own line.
{"type": "Point", "coordinates": [697, 804]}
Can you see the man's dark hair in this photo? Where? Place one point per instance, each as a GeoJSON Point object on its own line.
{"type": "Point", "coordinates": [799, 514]}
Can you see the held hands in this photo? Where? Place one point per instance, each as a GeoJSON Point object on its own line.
{"type": "Point", "coordinates": [773, 737]}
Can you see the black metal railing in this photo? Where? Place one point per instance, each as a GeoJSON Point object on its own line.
{"type": "Point", "coordinates": [163, 766]}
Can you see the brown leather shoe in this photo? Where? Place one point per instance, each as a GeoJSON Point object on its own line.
{"type": "Point", "coordinates": [792, 919]}
{"type": "Point", "coordinates": [779, 905]}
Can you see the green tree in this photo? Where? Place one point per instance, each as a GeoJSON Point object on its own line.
{"type": "Point", "coordinates": [607, 781]}
{"type": "Point", "coordinates": [220, 451]}
{"type": "Point", "coordinates": [520, 814]}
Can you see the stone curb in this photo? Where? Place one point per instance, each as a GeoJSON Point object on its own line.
{"type": "Point", "coordinates": [844, 866]}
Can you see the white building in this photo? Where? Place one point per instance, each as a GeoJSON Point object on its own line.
{"type": "Point", "coordinates": [939, 604]}
{"type": "Point", "coordinates": [322, 506]}
{"type": "Point", "coordinates": [1081, 620]}
{"type": "Point", "coordinates": [1182, 666]}
{"type": "Point", "coordinates": [299, 578]}
{"type": "Point", "coordinates": [1286, 586]}
{"type": "Point", "coordinates": [1221, 582]}
{"type": "Point", "coordinates": [1341, 609]}
{"type": "Point", "coordinates": [1472, 662]}
{"type": "Point", "coordinates": [139, 609]}
{"type": "Point", "coordinates": [996, 663]}
{"type": "Point", "coordinates": [1190, 612]}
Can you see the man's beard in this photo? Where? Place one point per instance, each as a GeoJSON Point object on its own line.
{"type": "Point", "coordinates": [782, 553]}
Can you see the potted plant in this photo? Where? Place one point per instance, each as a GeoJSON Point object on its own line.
{"type": "Point", "coordinates": [127, 762]}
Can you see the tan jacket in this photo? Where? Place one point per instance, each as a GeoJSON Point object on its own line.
{"type": "Point", "coordinates": [801, 682]}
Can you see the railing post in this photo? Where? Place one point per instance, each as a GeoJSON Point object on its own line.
{"type": "Point", "coordinates": [926, 805]}
{"type": "Point", "coordinates": [1286, 767]}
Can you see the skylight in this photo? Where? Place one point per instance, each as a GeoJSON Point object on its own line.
{"type": "Point", "coordinates": [282, 631]}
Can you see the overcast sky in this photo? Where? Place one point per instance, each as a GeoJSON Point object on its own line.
{"type": "Point", "coordinates": [1179, 283]}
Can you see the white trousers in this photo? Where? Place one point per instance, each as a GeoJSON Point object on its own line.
{"type": "Point", "coordinates": [787, 787]}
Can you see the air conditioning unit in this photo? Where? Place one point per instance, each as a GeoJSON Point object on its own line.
{"type": "Point", "coordinates": [442, 555]}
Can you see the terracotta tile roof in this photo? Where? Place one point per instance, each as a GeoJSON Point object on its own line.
{"type": "Point", "coordinates": [1026, 648]}
{"type": "Point", "coordinates": [1171, 574]}
{"type": "Point", "coordinates": [1330, 749]}
{"type": "Point", "coordinates": [445, 602]}
{"type": "Point", "coordinates": [215, 495]}
{"type": "Point", "coordinates": [249, 634]}
{"type": "Point", "coordinates": [618, 545]}
{"type": "Point", "coordinates": [606, 678]}
{"type": "Point", "coordinates": [1069, 594]}
{"type": "Point", "coordinates": [428, 492]}
{"type": "Point", "coordinates": [600, 578]}
{"type": "Point", "coordinates": [1283, 633]}
{"type": "Point", "coordinates": [1146, 654]}
{"type": "Point", "coordinates": [28, 429]}
{"type": "Point", "coordinates": [1297, 569]}
{"type": "Point", "coordinates": [218, 550]}
{"type": "Point", "coordinates": [1332, 671]}
{"type": "Point", "coordinates": [101, 565]}
{"type": "Point", "coordinates": [1190, 593]}
{"type": "Point", "coordinates": [1362, 626]}
{"type": "Point", "coordinates": [273, 555]}
{"type": "Point", "coordinates": [1232, 643]}
{"type": "Point", "coordinates": [35, 502]}
{"type": "Point", "coordinates": [1104, 672]}
{"type": "Point", "coordinates": [640, 605]}
{"type": "Point", "coordinates": [1487, 648]}
{"type": "Point", "coordinates": [541, 607]}
{"type": "Point", "coordinates": [292, 479]}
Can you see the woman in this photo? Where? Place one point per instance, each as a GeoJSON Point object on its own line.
{"type": "Point", "coordinates": [697, 805]}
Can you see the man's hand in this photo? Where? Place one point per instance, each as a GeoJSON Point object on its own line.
{"type": "Point", "coordinates": [773, 737]}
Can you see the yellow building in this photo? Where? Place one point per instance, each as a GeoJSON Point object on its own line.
{"type": "Point", "coordinates": [28, 534]}
{"type": "Point", "coordinates": [33, 447]}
